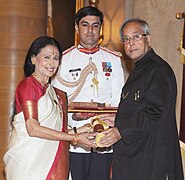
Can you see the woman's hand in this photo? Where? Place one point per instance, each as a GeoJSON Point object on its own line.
{"type": "Point", "coordinates": [87, 139]}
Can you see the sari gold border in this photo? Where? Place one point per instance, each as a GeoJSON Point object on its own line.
{"type": "Point", "coordinates": [30, 109]}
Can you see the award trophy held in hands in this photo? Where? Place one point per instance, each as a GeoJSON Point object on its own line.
{"type": "Point", "coordinates": [99, 126]}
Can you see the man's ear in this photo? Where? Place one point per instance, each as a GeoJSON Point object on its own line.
{"type": "Point", "coordinates": [149, 40]}
{"type": "Point", "coordinates": [76, 28]}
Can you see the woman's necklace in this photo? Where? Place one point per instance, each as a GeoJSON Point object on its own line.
{"type": "Point", "coordinates": [36, 76]}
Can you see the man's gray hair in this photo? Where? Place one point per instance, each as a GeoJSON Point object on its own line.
{"type": "Point", "coordinates": [144, 26]}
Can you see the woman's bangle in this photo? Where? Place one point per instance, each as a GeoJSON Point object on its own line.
{"type": "Point", "coordinates": [76, 135]}
{"type": "Point", "coordinates": [76, 139]}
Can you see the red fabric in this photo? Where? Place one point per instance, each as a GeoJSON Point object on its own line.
{"type": "Point", "coordinates": [30, 110]}
{"type": "Point", "coordinates": [89, 51]}
{"type": "Point", "coordinates": [60, 166]}
{"type": "Point", "coordinates": [28, 89]}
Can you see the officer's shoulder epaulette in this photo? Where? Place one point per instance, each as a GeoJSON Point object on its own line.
{"type": "Point", "coordinates": [116, 53]}
{"type": "Point", "coordinates": [69, 49]}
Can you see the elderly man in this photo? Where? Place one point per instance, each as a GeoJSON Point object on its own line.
{"type": "Point", "coordinates": [145, 138]}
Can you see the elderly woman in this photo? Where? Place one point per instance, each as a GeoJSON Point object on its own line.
{"type": "Point", "coordinates": [38, 146]}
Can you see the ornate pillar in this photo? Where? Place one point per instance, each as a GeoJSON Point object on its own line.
{"type": "Point", "coordinates": [20, 23]}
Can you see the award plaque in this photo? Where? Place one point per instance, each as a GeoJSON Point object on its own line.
{"type": "Point", "coordinates": [90, 107]}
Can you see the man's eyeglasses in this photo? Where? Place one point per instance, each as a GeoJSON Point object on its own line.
{"type": "Point", "coordinates": [136, 37]}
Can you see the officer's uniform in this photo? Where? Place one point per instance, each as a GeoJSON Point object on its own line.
{"type": "Point", "coordinates": [109, 80]}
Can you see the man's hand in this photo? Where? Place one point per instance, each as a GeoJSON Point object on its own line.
{"type": "Point", "coordinates": [108, 118]}
{"type": "Point", "coordinates": [112, 135]}
{"type": "Point", "coordinates": [85, 128]}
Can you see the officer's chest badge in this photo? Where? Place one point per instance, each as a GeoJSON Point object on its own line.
{"type": "Point", "coordinates": [75, 73]}
{"type": "Point", "coordinates": [107, 68]}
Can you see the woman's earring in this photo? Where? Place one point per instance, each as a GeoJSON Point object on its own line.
{"type": "Point", "coordinates": [33, 61]}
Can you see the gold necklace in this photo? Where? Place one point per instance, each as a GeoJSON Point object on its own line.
{"type": "Point", "coordinates": [36, 76]}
